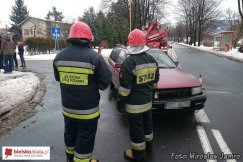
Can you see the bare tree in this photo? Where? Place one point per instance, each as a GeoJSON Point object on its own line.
{"type": "Point", "coordinates": [240, 30]}
{"type": "Point", "coordinates": [36, 26]}
{"type": "Point", "coordinates": [178, 32]}
{"type": "Point", "coordinates": [233, 19]}
{"type": "Point", "coordinates": [199, 16]}
{"type": "Point", "coordinates": [235, 24]}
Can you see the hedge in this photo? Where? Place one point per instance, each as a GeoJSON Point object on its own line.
{"type": "Point", "coordinates": [43, 45]}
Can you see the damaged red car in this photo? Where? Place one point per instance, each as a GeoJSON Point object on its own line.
{"type": "Point", "coordinates": [176, 89]}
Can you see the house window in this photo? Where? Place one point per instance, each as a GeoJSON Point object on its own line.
{"type": "Point", "coordinates": [39, 31]}
{"type": "Point", "coordinates": [31, 32]}
{"type": "Point", "coordinates": [26, 32]}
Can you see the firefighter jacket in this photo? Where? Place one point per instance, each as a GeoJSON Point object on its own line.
{"type": "Point", "coordinates": [82, 72]}
{"type": "Point", "coordinates": [139, 73]}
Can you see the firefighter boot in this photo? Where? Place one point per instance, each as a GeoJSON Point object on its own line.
{"type": "Point", "coordinates": [129, 156]}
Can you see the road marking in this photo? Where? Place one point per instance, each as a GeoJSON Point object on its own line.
{"type": "Point", "coordinates": [220, 92]}
{"type": "Point", "coordinates": [205, 142]}
{"type": "Point", "coordinates": [222, 144]}
{"type": "Point", "coordinates": [201, 116]}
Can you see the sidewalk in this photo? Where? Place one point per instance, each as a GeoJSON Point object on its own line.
{"type": "Point", "coordinates": [233, 54]}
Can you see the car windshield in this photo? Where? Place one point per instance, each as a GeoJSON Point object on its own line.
{"type": "Point", "coordinates": [163, 60]}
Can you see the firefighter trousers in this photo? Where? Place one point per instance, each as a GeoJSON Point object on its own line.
{"type": "Point", "coordinates": [79, 139]}
{"type": "Point", "coordinates": [141, 132]}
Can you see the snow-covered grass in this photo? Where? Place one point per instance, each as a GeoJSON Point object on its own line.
{"type": "Point", "coordinates": [40, 57]}
{"type": "Point", "coordinates": [16, 88]}
{"type": "Point", "coordinates": [104, 52]}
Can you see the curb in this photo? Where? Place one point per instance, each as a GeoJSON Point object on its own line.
{"type": "Point", "coordinates": [214, 53]}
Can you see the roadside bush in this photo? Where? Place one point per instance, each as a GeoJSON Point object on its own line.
{"type": "Point", "coordinates": [208, 43]}
{"type": "Point", "coordinates": [38, 45]}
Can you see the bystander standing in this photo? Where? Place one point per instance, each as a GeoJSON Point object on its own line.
{"type": "Point", "coordinates": [1, 55]}
{"type": "Point", "coordinates": [7, 48]}
{"type": "Point", "coordinates": [15, 63]}
{"type": "Point", "coordinates": [21, 54]}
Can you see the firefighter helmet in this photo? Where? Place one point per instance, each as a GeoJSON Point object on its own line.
{"type": "Point", "coordinates": [136, 38]}
{"type": "Point", "coordinates": [81, 30]}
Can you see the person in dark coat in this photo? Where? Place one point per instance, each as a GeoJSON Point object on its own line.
{"type": "Point", "coordinates": [139, 75]}
{"type": "Point", "coordinates": [21, 54]}
{"type": "Point", "coordinates": [15, 59]}
{"type": "Point", "coordinates": [1, 55]}
{"type": "Point", "coordinates": [82, 72]}
{"type": "Point", "coordinates": [7, 48]}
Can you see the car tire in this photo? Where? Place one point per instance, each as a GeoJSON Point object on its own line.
{"type": "Point", "coordinates": [190, 113]}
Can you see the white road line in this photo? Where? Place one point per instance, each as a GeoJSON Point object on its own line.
{"type": "Point", "coordinates": [205, 142]}
{"type": "Point", "coordinates": [222, 144]}
{"type": "Point", "coordinates": [219, 92]}
{"type": "Point", "coordinates": [201, 116]}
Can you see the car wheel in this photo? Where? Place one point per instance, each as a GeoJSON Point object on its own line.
{"type": "Point", "coordinates": [190, 113]}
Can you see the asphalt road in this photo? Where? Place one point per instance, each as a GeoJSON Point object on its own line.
{"type": "Point", "coordinates": [218, 129]}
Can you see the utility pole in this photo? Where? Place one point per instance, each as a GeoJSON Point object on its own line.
{"type": "Point", "coordinates": [130, 12]}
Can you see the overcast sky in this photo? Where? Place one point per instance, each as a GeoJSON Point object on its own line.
{"type": "Point", "coordinates": [71, 8]}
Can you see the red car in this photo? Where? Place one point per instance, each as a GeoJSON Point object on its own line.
{"type": "Point", "coordinates": [176, 89]}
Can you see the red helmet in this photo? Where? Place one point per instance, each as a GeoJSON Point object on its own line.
{"type": "Point", "coordinates": [80, 30]}
{"type": "Point", "coordinates": [136, 38]}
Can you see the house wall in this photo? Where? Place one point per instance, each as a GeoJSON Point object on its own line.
{"type": "Point", "coordinates": [34, 28]}
{"type": "Point", "coordinates": [42, 28]}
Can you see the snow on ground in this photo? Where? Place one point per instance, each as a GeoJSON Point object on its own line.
{"type": "Point", "coordinates": [40, 57]}
{"type": "Point", "coordinates": [104, 52]}
{"type": "Point", "coordinates": [16, 89]}
{"type": "Point", "coordinates": [19, 87]}
{"type": "Point", "coordinates": [232, 54]}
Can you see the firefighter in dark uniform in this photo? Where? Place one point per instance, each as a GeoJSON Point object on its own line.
{"type": "Point", "coordinates": [139, 76]}
{"type": "Point", "coordinates": [82, 72]}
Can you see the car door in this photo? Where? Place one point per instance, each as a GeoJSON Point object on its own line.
{"type": "Point", "coordinates": [112, 66]}
{"type": "Point", "coordinates": [116, 58]}
{"type": "Point", "coordinates": [121, 57]}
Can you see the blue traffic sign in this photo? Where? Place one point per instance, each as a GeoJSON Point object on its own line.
{"type": "Point", "coordinates": [55, 32]}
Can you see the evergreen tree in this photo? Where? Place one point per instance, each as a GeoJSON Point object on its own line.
{"type": "Point", "coordinates": [18, 14]}
{"type": "Point", "coordinates": [89, 17]}
{"type": "Point", "coordinates": [57, 15]}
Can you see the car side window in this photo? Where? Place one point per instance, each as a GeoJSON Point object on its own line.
{"type": "Point", "coordinates": [121, 57]}
{"type": "Point", "coordinates": [115, 54]}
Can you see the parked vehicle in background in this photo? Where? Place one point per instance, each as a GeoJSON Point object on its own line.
{"type": "Point", "coordinates": [176, 89]}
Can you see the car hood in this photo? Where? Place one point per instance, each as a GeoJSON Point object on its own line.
{"type": "Point", "coordinates": [176, 78]}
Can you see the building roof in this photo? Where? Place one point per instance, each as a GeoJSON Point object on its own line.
{"type": "Point", "coordinates": [41, 20]}
{"type": "Point", "coordinates": [223, 32]}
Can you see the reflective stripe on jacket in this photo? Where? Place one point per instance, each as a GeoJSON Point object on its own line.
{"type": "Point", "coordinates": [81, 72]}
{"type": "Point", "coordinates": [138, 74]}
